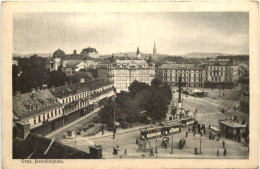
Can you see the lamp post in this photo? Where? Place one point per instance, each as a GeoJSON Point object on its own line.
{"type": "Point", "coordinates": [200, 144]}
{"type": "Point", "coordinates": [156, 143]}
{"type": "Point", "coordinates": [172, 145]}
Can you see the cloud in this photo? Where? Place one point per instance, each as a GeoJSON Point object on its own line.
{"type": "Point", "coordinates": [174, 33]}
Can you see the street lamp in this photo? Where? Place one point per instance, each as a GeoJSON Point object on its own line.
{"type": "Point", "coordinates": [200, 144]}
{"type": "Point", "coordinates": [172, 144]}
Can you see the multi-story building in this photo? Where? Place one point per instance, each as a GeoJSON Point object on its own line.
{"type": "Point", "coordinates": [244, 97]}
{"type": "Point", "coordinates": [40, 109]}
{"type": "Point", "coordinates": [81, 98]}
{"type": "Point", "coordinates": [224, 76]}
{"type": "Point", "coordinates": [123, 72]}
{"type": "Point", "coordinates": [192, 75]}
{"type": "Point", "coordinates": [90, 52]}
{"type": "Point", "coordinates": [49, 109]}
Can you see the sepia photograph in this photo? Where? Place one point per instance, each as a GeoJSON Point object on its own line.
{"type": "Point", "coordinates": [124, 85]}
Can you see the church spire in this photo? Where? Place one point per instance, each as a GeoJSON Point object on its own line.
{"type": "Point", "coordinates": [154, 49]}
{"type": "Point", "coordinates": [137, 52]}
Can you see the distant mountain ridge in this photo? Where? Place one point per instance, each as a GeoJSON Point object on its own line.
{"type": "Point", "coordinates": [202, 55]}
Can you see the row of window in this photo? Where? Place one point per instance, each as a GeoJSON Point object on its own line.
{"type": "Point", "coordinates": [181, 71]}
{"type": "Point", "coordinates": [45, 116]}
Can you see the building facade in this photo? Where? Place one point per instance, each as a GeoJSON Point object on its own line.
{"type": "Point", "coordinates": [49, 109]}
{"type": "Point", "coordinates": [90, 52]}
{"type": "Point", "coordinates": [192, 75]}
{"type": "Point", "coordinates": [123, 72]}
{"type": "Point", "coordinates": [224, 76]}
{"type": "Point", "coordinates": [40, 109]}
{"type": "Point", "coordinates": [244, 98]}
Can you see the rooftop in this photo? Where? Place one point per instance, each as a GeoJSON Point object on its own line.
{"type": "Point", "coordinates": [29, 104]}
{"type": "Point", "coordinates": [65, 91]}
{"type": "Point", "coordinates": [232, 124]}
{"type": "Point", "coordinates": [34, 147]}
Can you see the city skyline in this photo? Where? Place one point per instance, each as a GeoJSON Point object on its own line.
{"type": "Point", "coordinates": [173, 33]}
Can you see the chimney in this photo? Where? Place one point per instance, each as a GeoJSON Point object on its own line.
{"type": "Point", "coordinates": [23, 129]}
{"type": "Point", "coordinates": [17, 93]}
{"type": "Point", "coordinates": [32, 90]}
{"type": "Point", "coordinates": [82, 80]}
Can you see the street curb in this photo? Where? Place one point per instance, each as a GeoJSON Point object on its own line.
{"type": "Point", "coordinates": [112, 134]}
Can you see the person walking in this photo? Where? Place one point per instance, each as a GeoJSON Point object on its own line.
{"type": "Point", "coordinates": [151, 152]}
{"type": "Point", "coordinates": [186, 134]}
{"type": "Point", "coordinates": [225, 152]}
{"type": "Point", "coordinates": [223, 143]}
{"type": "Point", "coordinates": [217, 152]}
{"type": "Point", "coordinates": [125, 152]}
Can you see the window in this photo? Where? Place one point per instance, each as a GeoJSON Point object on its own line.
{"type": "Point", "coordinates": [43, 117]}
{"type": "Point", "coordinates": [34, 120]}
{"type": "Point", "coordinates": [55, 112]}
{"type": "Point", "coordinates": [48, 116]}
{"type": "Point", "coordinates": [39, 119]}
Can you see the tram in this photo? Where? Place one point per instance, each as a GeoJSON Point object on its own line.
{"type": "Point", "coordinates": [150, 132]}
{"type": "Point", "coordinates": [187, 121]}
{"type": "Point", "coordinates": [170, 127]}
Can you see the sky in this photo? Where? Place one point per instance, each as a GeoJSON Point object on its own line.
{"type": "Point", "coordinates": [174, 33]}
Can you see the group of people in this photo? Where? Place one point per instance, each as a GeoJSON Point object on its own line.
{"type": "Point", "coordinates": [197, 128]}
{"type": "Point", "coordinates": [116, 149]}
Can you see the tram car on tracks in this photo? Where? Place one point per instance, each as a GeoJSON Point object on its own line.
{"type": "Point", "coordinates": [187, 121]}
{"type": "Point", "coordinates": [170, 127]}
{"type": "Point", "coordinates": [150, 132]}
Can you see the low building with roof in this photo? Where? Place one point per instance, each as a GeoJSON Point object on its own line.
{"type": "Point", "coordinates": [192, 75]}
{"type": "Point", "coordinates": [28, 145]}
{"type": "Point", "coordinates": [40, 109]}
{"type": "Point", "coordinates": [123, 72]}
{"type": "Point", "coordinates": [232, 129]}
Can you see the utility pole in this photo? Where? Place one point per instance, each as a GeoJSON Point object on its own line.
{"type": "Point", "coordinates": [172, 144]}
{"type": "Point", "coordinates": [200, 144]}
{"type": "Point", "coordinates": [156, 143]}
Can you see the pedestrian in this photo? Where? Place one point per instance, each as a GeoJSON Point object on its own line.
{"type": "Point", "coordinates": [218, 153]}
{"type": "Point", "coordinates": [223, 143]}
{"type": "Point", "coordinates": [102, 131]}
{"type": "Point", "coordinates": [125, 152]}
{"type": "Point", "coordinates": [113, 135]}
{"type": "Point", "coordinates": [196, 111]}
{"type": "Point", "coordinates": [204, 131]}
{"type": "Point", "coordinates": [201, 134]}
{"type": "Point", "coordinates": [196, 150]}
{"type": "Point", "coordinates": [151, 152]}
{"type": "Point", "coordinates": [136, 141]}
{"type": "Point", "coordinates": [186, 134]}
{"type": "Point", "coordinates": [179, 129]}
{"type": "Point", "coordinates": [225, 152]}
{"type": "Point", "coordinates": [209, 126]}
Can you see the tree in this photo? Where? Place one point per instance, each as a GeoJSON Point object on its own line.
{"type": "Point", "coordinates": [137, 87]}
{"type": "Point", "coordinates": [107, 113]}
{"type": "Point", "coordinates": [156, 106]}
{"type": "Point", "coordinates": [156, 83]}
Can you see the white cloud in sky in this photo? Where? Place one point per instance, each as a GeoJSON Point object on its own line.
{"type": "Point", "coordinates": [174, 33]}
